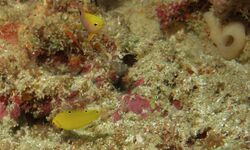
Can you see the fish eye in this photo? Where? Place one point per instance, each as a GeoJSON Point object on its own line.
{"type": "Point", "coordinates": [69, 111]}
{"type": "Point", "coordinates": [86, 111]}
{"type": "Point", "coordinates": [95, 24]}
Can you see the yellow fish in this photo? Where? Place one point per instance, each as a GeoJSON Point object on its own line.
{"type": "Point", "coordinates": [75, 119]}
{"type": "Point", "coordinates": [91, 22]}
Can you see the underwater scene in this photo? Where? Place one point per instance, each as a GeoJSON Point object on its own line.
{"type": "Point", "coordinates": [124, 74]}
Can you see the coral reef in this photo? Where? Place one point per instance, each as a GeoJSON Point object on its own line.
{"type": "Point", "coordinates": [153, 91]}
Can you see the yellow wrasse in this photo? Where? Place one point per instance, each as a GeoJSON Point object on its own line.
{"type": "Point", "coordinates": [91, 22]}
{"type": "Point", "coordinates": [75, 119]}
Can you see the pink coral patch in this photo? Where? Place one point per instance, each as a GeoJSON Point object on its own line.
{"type": "Point", "coordinates": [136, 104]}
{"type": "Point", "coordinates": [177, 104]}
{"type": "Point", "coordinates": [46, 108]}
{"type": "Point", "coordinates": [139, 82]}
{"type": "Point", "coordinates": [116, 116]}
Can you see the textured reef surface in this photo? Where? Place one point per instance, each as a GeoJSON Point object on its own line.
{"type": "Point", "coordinates": [164, 74]}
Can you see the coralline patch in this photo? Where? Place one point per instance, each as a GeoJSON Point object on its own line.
{"type": "Point", "coordinates": [9, 32]}
{"type": "Point", "coordinates": [2, 110]}
{"type": "Point", "coordinates": [133, 103]}
{"type": "Point", "coordinates": [172, 12]}
{"type": "Point", "coordinates": [136, 104]}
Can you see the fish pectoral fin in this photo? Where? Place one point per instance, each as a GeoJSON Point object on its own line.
{"type": "Point", "coordinates": [90, 37]}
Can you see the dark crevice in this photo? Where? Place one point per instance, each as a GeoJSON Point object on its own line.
{"type": "Point", "coordinates": [129, 59]}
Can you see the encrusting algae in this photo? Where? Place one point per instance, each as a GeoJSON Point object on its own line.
{"type": "Point", "coordinates": [145, 75]}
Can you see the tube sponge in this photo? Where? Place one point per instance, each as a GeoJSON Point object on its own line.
{"type": "Point", "coordinates": [229, 39]}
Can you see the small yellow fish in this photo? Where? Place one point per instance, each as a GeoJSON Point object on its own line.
{"type": "Point", "coordinates": [91, 22]}
{"type": "Point", "coordinates": [75, 119]}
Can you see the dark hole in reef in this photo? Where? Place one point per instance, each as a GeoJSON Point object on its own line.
{"type": "Point", "coordinates": [15, 129]}
{"type": "Point", "coordinates": [200, 5]}
{"type": "Point", "coordinates": [41, 59]}
{"type": "Point", "coordinates": [129, 59]}
{"type": "Point", "coordinates": [229, 40]}
{"type": "Point", "coordinates": [190, 141]}
{"type": "Point", "coordinates": [31, 120]}
{"type": "Point", "coordinates": [3, 2]}
{"type": "Point", "coordinates": [28, 119]}
{"type": "Point", "coordinates": [52, 62]}
{"type": "Point", "coordinates": [107, 4]}
{"type": "Point", "coordinates": [119, 84]}
{"type": "Point", "coordinates": [200, 135]}
{"type": "Point", "coordinates": [61, 57]}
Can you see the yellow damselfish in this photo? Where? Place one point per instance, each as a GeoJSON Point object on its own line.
{"type": "Point", "coordinates": [75, 119]}
{"type": "Point", "coordinates": [91, 22]}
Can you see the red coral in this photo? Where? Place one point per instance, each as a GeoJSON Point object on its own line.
{"type": "Point", "coordinates": [2, 110]}
{"type": "Point", "coordinates": [3, 105]}
{"type": "Point", "coordinates": [109, 44]}
{"type": "Point", "coordinates": [177, 104]}
{"type": "Point", "coordinates": [86, 67]}
{"type": "Point", "coordinates": [100, 81]}
{"type": "Point", "coordinates": [172, 12]}
{"type": "Point", "coordinates": [116, 116]}
{"type": "Point", "coordinates": [15, 112]}
{"type": "Point", "coordinates": [4, 99]}
{"type": "Point", "coordinates": [138, 82]}
{"type": "Point", "coordinates": [8, 32]}
{"type": "Point", "coordinates": [71, 36]}
{"type": "Point", "coordinates": [45, 108]}
{"type": "Point", "coordinates": [17, 100]}
{"type": "Point", "coordinates": [75, 63]}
